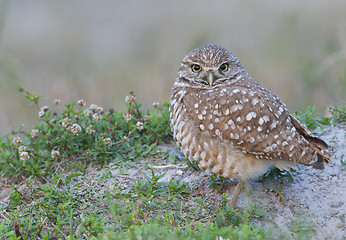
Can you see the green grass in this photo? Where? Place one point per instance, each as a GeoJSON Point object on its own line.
{"type": "Point", "coordinates": [55, 195]}
{"type": "Point", "coordinates": [316, 121]}
{"type": "Point", "coordinates": [147, 210]}
{"type": "Point", "coordinates": [77, 136]}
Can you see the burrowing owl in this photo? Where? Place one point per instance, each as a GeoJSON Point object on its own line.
{"type": "Point", "coordinates": [233, 126]}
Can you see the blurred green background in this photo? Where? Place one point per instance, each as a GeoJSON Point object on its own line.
{"type": "Point", "coordinates": [100, 50]}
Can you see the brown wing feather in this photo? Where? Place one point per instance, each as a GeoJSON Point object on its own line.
{"type": "Point", "coordinates": [318, 144]}
{"type": "Point", "coordinates": [255, 121]}
{"type": "Point", "coordinates": [307, 134]}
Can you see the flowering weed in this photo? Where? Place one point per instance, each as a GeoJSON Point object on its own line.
{"type": "Point", "coordinates": [79, 133]}
{"type": "Point", "coordinates": [54, 197]}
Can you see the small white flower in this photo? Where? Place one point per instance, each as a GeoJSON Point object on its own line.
{"type": "Point", "coordinates": [22, 148]}
{"type": "Point", "coordinates": [55, 153]}
{"type": "Point", "coordinates": [139, 125]}
{"type": "Point", "coordinates": [34, 133]}
{"type": "Point", "coordinates": [66, 122]}
{"type": "Point", "coordinates": [81, 103]}
{"type": "Point", "coordinates": [221, 238]}
{"type": "Point", "coordinates": [24, 156]}
{"type": "Point", "coordinates": [41, 113]}
{"type": "Point", "coordinates": [87, 113]}
{"type": "Point", "coordinates": [57, 101]}
{"type": "Point", "coordinates": [130, 98]}
{"type": "Point", "coordinates": [147, 118]}
{"type": "Point", "coordinates": [17, 140]}
{"type": "Point", "coordinates": [44, 108]}
{"type": "Point", "coordinates": [75, 129]}
{"type": "Point", "coordinates": [92, 107]}
{"type": "Point", "coordinates": [97, 117]}
{"type": "Point", "coordinates": [90, 129]}
{"type": "Point", "coordinates": [108, 141]}
{"type": "Point", "coordinates": [52, 121]}
{"type": "Point", "coordinates": [125, 138]}
{"type": "Point", "coordinates": [99, 109]}
{"type": "Point", "coordinates": [127, 117]}
{"type": "Point", "coordinates": [156, 104]}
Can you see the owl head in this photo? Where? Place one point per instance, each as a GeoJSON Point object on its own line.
{"type": "Point", "coordinates": [210, 65]}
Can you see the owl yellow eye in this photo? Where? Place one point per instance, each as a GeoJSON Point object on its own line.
{"type": "Point", "coordinates": [196, 68]}
{"type": "Point", "coordinates": [224, 67]}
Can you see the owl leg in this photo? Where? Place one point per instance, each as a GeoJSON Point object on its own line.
{"type": "Point", "coordinates": [236, 193]}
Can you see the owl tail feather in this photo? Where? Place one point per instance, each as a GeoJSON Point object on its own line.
{"type": "Point", "coordinates": [323, 157]}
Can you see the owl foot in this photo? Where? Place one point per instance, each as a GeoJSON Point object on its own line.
{"type": "Point", "coordinates": [236, 193]}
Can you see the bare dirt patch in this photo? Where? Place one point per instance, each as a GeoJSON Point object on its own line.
{"type": "Point", "coordinates": [315, 200]}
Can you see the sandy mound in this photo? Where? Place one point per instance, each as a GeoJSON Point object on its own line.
{"type": "Point", "coordinates": [315, 200]}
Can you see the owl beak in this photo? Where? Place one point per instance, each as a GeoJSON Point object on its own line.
{"type": "Point", "coordinates": [211, 78]}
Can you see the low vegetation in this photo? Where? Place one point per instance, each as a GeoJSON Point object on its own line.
{"type": "Point", "coordinates": [54, 196]}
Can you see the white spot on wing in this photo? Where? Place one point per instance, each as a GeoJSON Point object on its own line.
{"type": "Point", "coordinates": [236, 107]}
{"type": "Point", "coordinates": [254, 101]}
{"type": "Point", "coordinates": [273, 125]}
{"type": "Point", "coordinates": [266, 118]}
{"type": "Point", "coordinates": [211, 126]}
{"type": "Point", "coordinates": [227, 111]}
{"type": "Point", "coordinates": [250, 115]}
{"type": "Point", "coordinates": [236, 90]}
{"type": "Point", "coordinates": [260, 121]}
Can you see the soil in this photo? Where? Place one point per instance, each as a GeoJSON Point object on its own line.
{"type": "Point", "coordinates": [315, 200]}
